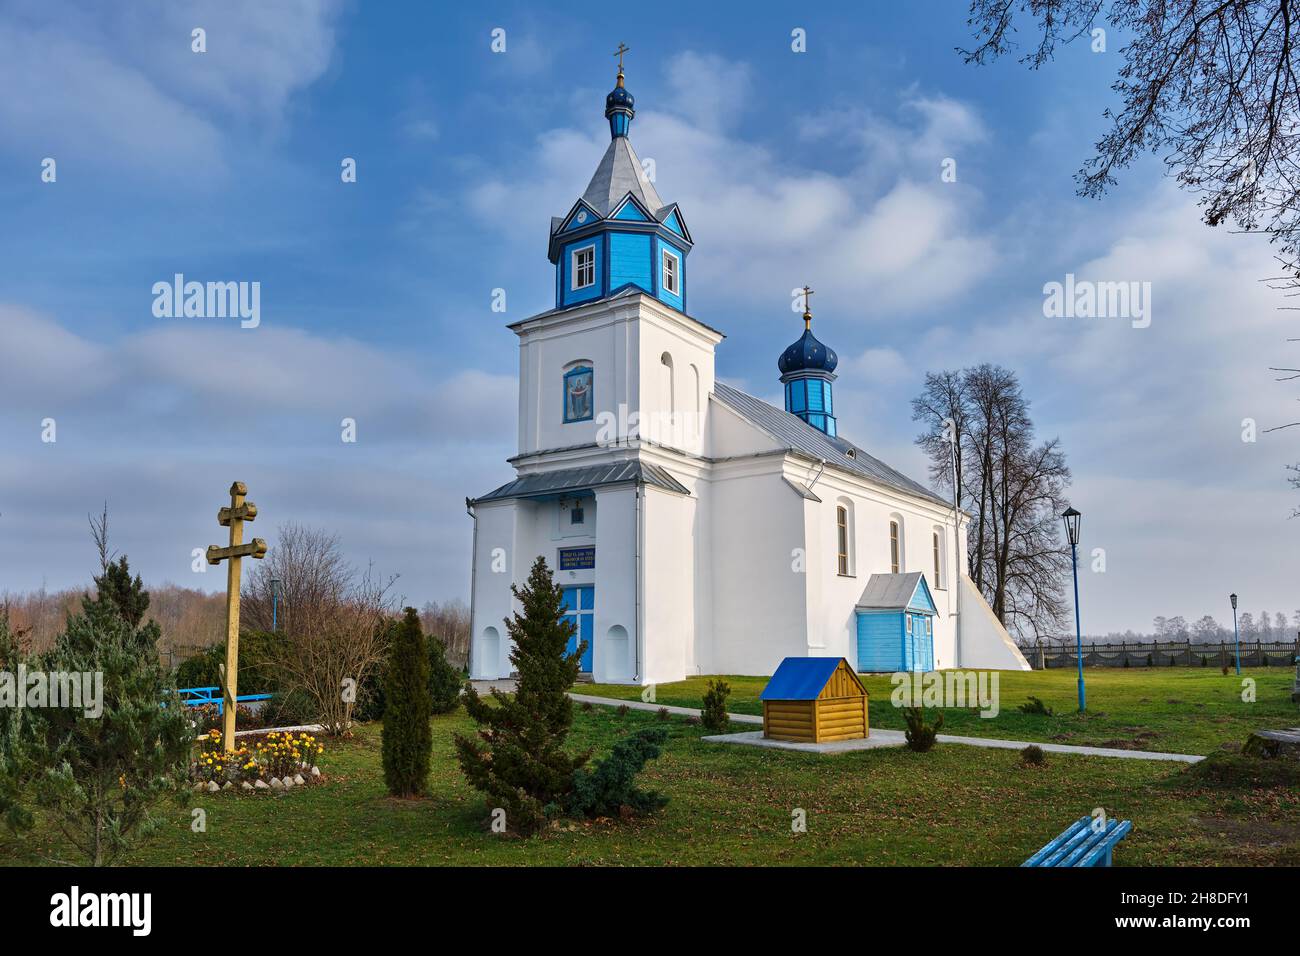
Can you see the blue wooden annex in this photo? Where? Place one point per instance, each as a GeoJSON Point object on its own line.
{"type": "Point", "coordinates": [895, 618]}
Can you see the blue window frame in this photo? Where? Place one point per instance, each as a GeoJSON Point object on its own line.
{"type": "Point", "coordinates": [578, 405]}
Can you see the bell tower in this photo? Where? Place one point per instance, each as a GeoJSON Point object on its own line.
{"type": "Point", "coordinates": [620, 235]}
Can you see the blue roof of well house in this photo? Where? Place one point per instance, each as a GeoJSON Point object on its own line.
{"type": "Point", "coordinates": [800, 678]}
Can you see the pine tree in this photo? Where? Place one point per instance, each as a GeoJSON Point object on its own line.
{"type": "Point", "coordinates": [117, 592]}
{"type": "Point", "coordinates": [519, 761]}
{"type": "Point", "coordinates": [444, 680]}
{"type": "Point", "coordinates": [408, 739]}
{"type": "Point", "coordinates": [100, 777]}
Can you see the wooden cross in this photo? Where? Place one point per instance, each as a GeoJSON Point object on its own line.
{"type": "Point", "coordinates": [807, 312]}
{"type": "Point", "coordinates": [233, 518]}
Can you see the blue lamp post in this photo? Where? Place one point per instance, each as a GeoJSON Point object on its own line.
{"type": "Point", "coordinates": [275, 602]}
{"type": "Point", "coordinates": [1236, 639]}
{"type": "Point", "coordinates": [1071, 518]}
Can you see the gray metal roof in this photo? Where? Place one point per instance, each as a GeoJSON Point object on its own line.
{"type": "Point", "coordinates": [889, 591]}
{"type": "Point", "coordinates": [547, 483]}
{"type": "Point", "coordinates": [618, 174]}
{"type": "Point", "coordinates": [797, 435]}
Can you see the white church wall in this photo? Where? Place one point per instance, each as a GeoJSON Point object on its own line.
{"type": "Point", "coordinates": [727, 435]}
{"type": "Point", "coordinates": [494, 569]}
{"type": "Point", "coordinates": [676, 376]}
{"type": "Point", "coordinates": [759, 596]}
{"type": "Point", "coordinates": [985, 642]}
{"type": "Point", "coordinates": [833, 597]}
{"type": "Point", "coordinates": [615, 624]}
{"type": "Point", "coordinates": [598, 334]}
{"type": "Point", "coordinates": [667, 525]}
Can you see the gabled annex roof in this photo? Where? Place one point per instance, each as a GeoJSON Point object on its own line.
{"type": "Point", "coordinates": [798, 435]}
{"type": "Point", "coordinates": [894, 592]}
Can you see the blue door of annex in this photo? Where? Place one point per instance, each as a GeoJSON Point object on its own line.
{"type": "Point", "coordinates": [919, 642]}
{"type": "Point", "coordinates": [579, 607]}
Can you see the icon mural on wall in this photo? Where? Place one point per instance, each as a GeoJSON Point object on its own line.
{"type": "Point", "coordinates": [577, 395]}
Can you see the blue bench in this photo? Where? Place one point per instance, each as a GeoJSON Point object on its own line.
{"type": "Point", "coordinates": [1082, 844]}
{"type": "Point", "coordinates": [200, 696]}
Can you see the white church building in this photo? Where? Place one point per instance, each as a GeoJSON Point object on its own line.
{"type": "Point", "coordinates": [697, 529]}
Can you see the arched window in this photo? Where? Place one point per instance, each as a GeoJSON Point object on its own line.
{"type": "Point", "coordinates": [698, 425]}
{"type": "Point", "coordinates": [938, 559]}
{"type": "Point", "coordinates": [669, 385]}
{"type": "Point", "coordinates": [844, 558]}
{"type": "Point", "coordinates": [578, 388]}
{"type": "Point", "coordinates": [842, 536]}
{"type": "Point", "coordinates": [895, 547]}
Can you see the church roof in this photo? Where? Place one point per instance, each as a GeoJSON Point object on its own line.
{"type": "Point", "coordinates": [548, 483]}
{"type": "Point", "coordinates": [618, 174]}
{"type": "Point", "coordinates": [797, 435]}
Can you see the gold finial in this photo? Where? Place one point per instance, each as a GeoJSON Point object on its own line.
{"type": "Point", "coordinates": [622, 48]}
{"type": "Point", "coordinates": [807, 312]}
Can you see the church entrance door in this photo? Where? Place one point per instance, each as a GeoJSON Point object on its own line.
{"type": "Point", "coordinates": [580, 607]}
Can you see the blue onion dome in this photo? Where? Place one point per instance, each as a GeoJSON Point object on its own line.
{"type": "Point", "coordinates": [807, 355]}
{"type": "Point", "coordinates": [619, 97]}
{"type": "Point", "coordinates": [619, 106]}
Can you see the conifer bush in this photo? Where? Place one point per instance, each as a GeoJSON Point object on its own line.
{"type": "Point", "coordinates": [920, 736]}
{"type": "Point", "coordinates": [518, 758]}
{"type": "Point", "coordinates": [610, 786]}
{"type": "Point", "coordinates": [445, 681]}
{"type": "Point", "coordinates": [407, 738]}
{"type": "Point", "coordinates": [713, 715]}
{"type": "Point", "coordinates": [1033, 756]}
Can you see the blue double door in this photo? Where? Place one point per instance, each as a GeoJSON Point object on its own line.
{"type": "Point", "coordinates": [580, 609]}
{"type": "Point", "coordinates": [918, 644]}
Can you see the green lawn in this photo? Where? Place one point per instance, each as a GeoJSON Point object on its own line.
{"type": "Point", "coordinates": [1191, 710]}
{"type": "Point", "coordinates": [733, 805]}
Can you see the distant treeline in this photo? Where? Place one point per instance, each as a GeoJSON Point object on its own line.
{"type": "Point", "coordinates": [1263, 626]}
{"type": "Point", "coordinates": [192, 620]}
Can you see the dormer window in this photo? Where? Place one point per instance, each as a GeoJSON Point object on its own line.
{"type": "Point", "coordinates": [583, 267]}
{"type": "Point", "coordinates": [672, 273]}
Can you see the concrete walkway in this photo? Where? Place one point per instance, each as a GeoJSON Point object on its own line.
{"type": "Point", "coordinates": [886, 738]}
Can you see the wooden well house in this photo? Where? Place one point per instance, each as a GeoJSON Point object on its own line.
{"type": "Point", "coordinates": [814, 700]}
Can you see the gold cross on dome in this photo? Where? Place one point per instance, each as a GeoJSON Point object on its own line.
{"type": "Point", "coordinates": [622, 48]}
{"type": "Point", "coordinates": [807, 312]}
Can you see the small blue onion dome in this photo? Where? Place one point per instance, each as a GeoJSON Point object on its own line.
{"type": "Point", "coordinates": [619, 108]}
{"type": "Point", "coordinates": [619, 98]}
{"type": "Point", "coordinates": [807, 355]}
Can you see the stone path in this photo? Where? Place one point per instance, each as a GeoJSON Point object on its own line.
{"type": "Point", "coordinates": [885, 738]}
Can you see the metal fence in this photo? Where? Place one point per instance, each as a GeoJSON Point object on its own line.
{"type": "Point", "coordinates": [1163, 654]}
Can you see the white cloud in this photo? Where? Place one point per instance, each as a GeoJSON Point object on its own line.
{"type": "Point", "coordinates": [887, 231]}
{"type": "Point", "coordinates": [120, 85]}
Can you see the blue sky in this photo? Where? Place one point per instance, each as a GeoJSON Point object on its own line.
{"type": "Point", "coordinates": [819, 167]}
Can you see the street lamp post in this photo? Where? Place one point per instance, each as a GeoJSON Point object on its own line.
{"type": "Point", "coordinates": [275, 602]}
{"type": "Point", "coordinates": [1071, 518]}
{"type": "Point", "coordinates": [1236, 639]}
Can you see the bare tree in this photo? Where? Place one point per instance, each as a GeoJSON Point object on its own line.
{"type": "Point", "coordinates": [1012, 486]}
{"type": "Point", "coordinates": [449, 622]}
{"type": "Point", "coordinates": [1210, 84]}
{"type": "Point", "coordinates": [332, 617]}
